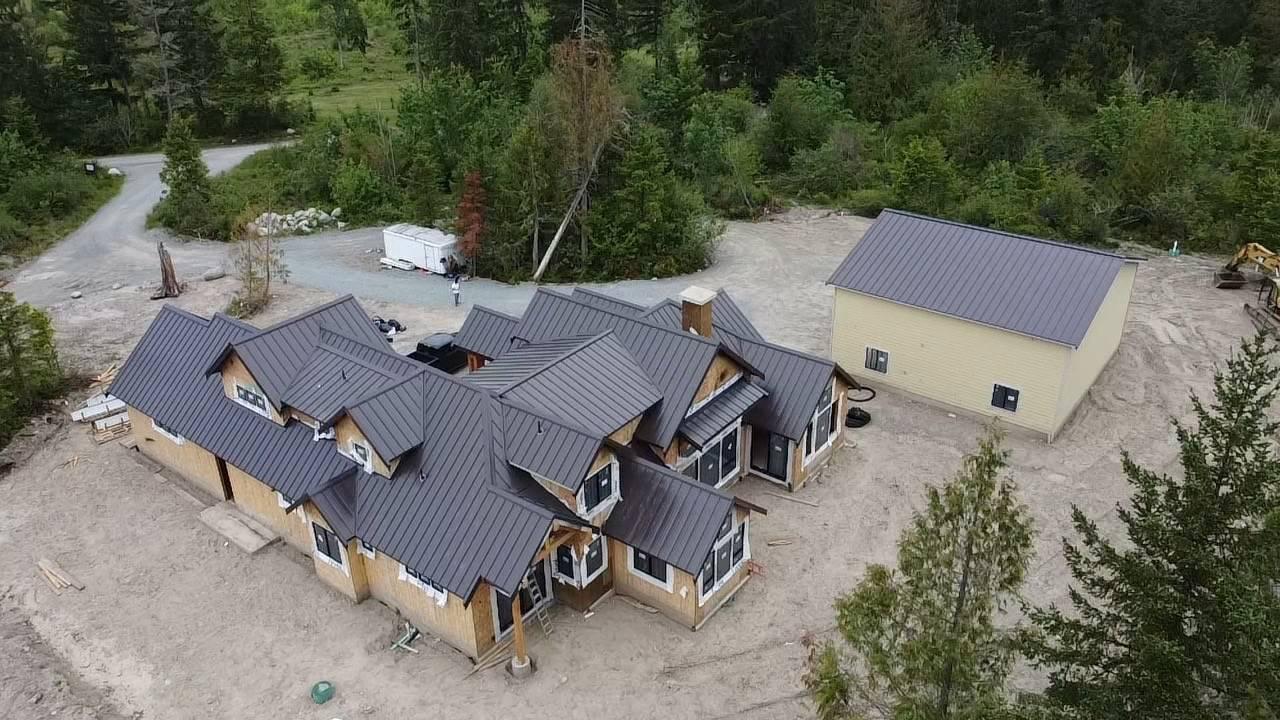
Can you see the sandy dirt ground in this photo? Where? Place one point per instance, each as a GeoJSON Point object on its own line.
{"type": "Point", "coordinates": [175, 624]}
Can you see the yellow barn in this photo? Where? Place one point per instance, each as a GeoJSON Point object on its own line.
{"type": "Point", "coordinates": [979, 321]}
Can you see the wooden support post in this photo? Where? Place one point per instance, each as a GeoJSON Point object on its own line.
{"type": "Point", "coordinates": [517, 631]}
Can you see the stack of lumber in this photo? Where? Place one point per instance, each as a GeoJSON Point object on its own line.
{"type": "Point", "coordinates": [57, 578]}
{"type": "Point", "coordinates": [108, 413]}
{"type": "Point", "coordinates": [111, 427]}
{"type": "Point", "coordinates": [103, 380]}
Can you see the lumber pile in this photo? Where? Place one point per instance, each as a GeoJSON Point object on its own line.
{"type": "Point", "coordinates": [103, 380]}
{"type": "Point", "coordinates": [108, 413]}
{"type": "Point", "coordinates": [110, 428]}
{"type": "Point", "coordinates": [57, 578]}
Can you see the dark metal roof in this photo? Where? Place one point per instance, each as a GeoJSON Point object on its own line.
{"type": "Point", "coordinates": [607, 302]}
{"type": "Point", "coordinates": [337, 503]}
{"type": "Point", "coordinates": [725, 316]}
{"type": "Point", "coordinates": [1026, 285]}
{"type": "Point", "coordinates": [549, 447]}
{"type": "Point", "coordinates": [593, 384]}
{"type": "Point", "coordinates": [392, 419]}
{"type": "Point", "coordinates": [486, 332]}
{"type": "Point", "coordinates": [795, 382]}
{"type": "Point", "coordinates": [731, 404]}
{"type": "Point", "coordinates": [276, 354]}
{"type": "Point", "coordinates": [333, 379]}
{"type": "Point", "coordinates": [675, 361]}
{"type": "Point", "coordinates": [666, 514]}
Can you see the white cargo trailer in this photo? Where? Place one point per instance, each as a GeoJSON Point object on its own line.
{"type": "Point", "coordinates": [426, 248]}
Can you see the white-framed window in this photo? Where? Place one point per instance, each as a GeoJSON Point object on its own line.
{"type": "Point", "coordinates": [328, 547]}
{"type": "Point", "coordinates": [717, 463]}
{"type": "Point", "coordinates": [165, 431]}
{"type": "Point", "coordinates": [714, 394]}
{"type": "Point", "coordinates": [367, 550]}
{"type": "Point", "coordinates": [251, 398]}
{"type": "Point", "coordinates": [361, 453]}
{"type": "Point", "coordinates": [283, 501]}
{"type": "Point", "coordinates": [732, 549]}
{"type": "Point", "coordinates": [877, 360]}
{"type": "Point", "coordinates": [824, 427]}
{"type": "Point", "coordinates": [600, 490]}
{"type": "Point", "coordinates": [649, 568]}
{"type": "Point", "coordinates": [433, 589]}
{"type": "Point", "coordinates": [579, 569]}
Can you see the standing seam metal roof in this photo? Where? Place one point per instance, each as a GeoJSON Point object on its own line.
{"type": "Point", "coordinates": [725, 408]}
{"type": "Point", "coordinates": [1022, 284]}
{"type": "Point", "coordinates": [486, 332]}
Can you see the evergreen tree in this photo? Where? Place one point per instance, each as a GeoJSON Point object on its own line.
{"type": "Point", "coordinates": [187, 178]}
{"type": "Point", "coordinates": [754, 42]}
{"type": "Point", "coordinates": [346, 22]}
{"type": "Point", "coordinates": [921, 643]}
{"type": "Point", "coordinates": [1182, 619]}
{"type": "Point", "coordinates": [411, 16]}
{"type": "Point", "coordinates": [1255, 190]}
{"type": "Point", "coordinates": [254, 72]}
{"type": "Point", "coordinates": [29, 368]}
{"type": "Point", "coordinates": [102, 37]}
{"type": "Point", "coordinates": [489, 38]}
{"type": "Point", "coordinates": [924, 180]}
{"type": "Point", "coordinates": [880, 49]}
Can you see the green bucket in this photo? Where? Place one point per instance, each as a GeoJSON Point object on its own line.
{"type": "Point", "coordinates": [322, 692]}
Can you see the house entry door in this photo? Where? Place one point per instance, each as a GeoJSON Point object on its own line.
{"type": "Point", "coordinates": [770, 455]}
{"type": "Point", "coordinates": [226, 480]}
{"type": "Point", "coordinates": [778, 456]}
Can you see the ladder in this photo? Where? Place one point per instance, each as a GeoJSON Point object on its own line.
{"type": "Point", "coordinates": [535, 593]}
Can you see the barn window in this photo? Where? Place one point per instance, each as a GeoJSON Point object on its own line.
{"type": "Point", "coordinates": [1005, 398]}
{"type": "Point", "coordinates": [877, 360]}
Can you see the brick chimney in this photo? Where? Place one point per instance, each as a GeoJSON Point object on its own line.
{"type": "Point", "coordinates": [695, 310]}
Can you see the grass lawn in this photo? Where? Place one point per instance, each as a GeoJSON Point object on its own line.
{"type": "Point", "coordinates": [43, 235]}
{"type": "Point", "coordinates": [370, 81]}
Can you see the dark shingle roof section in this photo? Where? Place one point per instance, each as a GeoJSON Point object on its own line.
{"type": "Point", "coordinates": [486, 332]}
{"type": "Point", "coordinates": [275, 355]}
{"type": "Point", "coordinates": [731, 404]}
{"type": "Point", "coordinates": [1022, 284]}
{"type": "Point", "coordinates": [666, 514]}
{"type": "Point", "coordinates": [676, 361]}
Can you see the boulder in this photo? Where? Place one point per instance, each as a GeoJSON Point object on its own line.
{"type": "Point", "coordinates": [214, 273]}
{"type": "Point", "coordinates": [289, 131]}
{"type": "Point", "coordinates": [115, 172]}
{"type": "Point", "coordinates": [337, 212]}
{"type": "Point", "coordinates": [342, 225]}
{"type": "Point", "coordinates": [325, 218]}
{"type": "Point", "coordinates": [77, 295]}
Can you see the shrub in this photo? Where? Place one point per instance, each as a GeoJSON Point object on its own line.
{"type": "Point", "coordinates": [359, 191]}
{"type": "Point", "coordinates": [924, 180]}
{"type": "Point", "coordinates": [47, 193]}
{"type": "Point", "coordinates": [800, 116]}
{"type": "Point", "coordinates": [995, 114]}
{"type": "Point", "coordinates": [835, 166]}
{"type": "Point", "coordinates": [12, 231]}
{"type": "Point", "coordinates": [318, 65]}
{"type": "Point", "coordinates": [868, 202]}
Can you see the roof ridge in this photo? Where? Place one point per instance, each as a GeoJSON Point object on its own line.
{"type": "Point", "coordinates": [360, 401]}
{"type": "Point", "coordinates": [359, 361]}
{"type": "Point", "coordinates": [407, 362]}
{"type": "Point", "coordinates": [577, 348]}
{"type": "Point", "coordinates": [1006, 233]}
{"type": "Point", "coordinates": [694, 336]}
{"type": "Point", "coordinates": [603, 296]}
{"type": "Point", "coordinates": [186, 313]}
{"type": "Point", "coordinates": [784, 348]}
{"type": "Point", "coordinates": [491, 311]}
{"type": "Point", "coordinates": [305, 314]}
{"type": "Point", "coordinates": [522, 407]}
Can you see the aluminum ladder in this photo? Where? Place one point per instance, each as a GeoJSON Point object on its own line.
{"type": "Point", "coordinates": [535, 593]}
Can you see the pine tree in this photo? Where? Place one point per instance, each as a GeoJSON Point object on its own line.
{"type": "Point", "coordinates": [924, 180]}
{"type": "Point", "coordinates": [411, 16]}
{"type": "Point", "coordinates": [102, 45]}
{"type": "Point", "coordinates": [472, 225]}
{"type": "Point", "coordinates": [346, 22]}
{"type": "Point", "coordinates": [254, 72]}
{"type": "Point", "coordinates": [922, 642]}
{"type": "Point", "coordinates": [29, 368]}
{"type": "Point", "coordinates": [754, 42]}
{"type": "Point", "coordinates": [187, 178]}
{"type": "Point", "coordinates": [880, 49]}
{"type": "Point", "coordinates": [1181, 621]}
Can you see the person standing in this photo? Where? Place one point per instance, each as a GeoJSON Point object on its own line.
{"type": "Point", "coordinates": [457, 292]}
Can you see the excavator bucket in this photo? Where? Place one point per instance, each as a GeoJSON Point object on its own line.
{"type": "Point", "coordinates": [1228, 279]}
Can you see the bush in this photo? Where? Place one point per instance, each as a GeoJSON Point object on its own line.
{"type": "Point", "coordinates": [47, 194]}
{"type": "Point", "coordinates": [12, 231]}
{"type": "Point", "coordinates": [801, 114]}
{"type": "Point", "coordinates": [996, 114]}
{"type": "Point", "coordinates": [318, 65]}
{"type": "Point", "coordinates": [924, 180]}
{"type": "Point", "coordinates": [868, 202]}
{"type": "Point", "coordinates": [830, 169]}
{"type": "Point", "coordinates": [359, 191]}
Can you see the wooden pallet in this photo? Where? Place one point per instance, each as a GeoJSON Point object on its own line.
{"type": "Point", "coordinates": [106, 435]}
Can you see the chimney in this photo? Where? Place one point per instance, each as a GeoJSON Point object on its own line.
{"type": "Point", "coordinates": [695, 310]}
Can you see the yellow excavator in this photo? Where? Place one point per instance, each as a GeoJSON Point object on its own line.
{"type": "Point", "coordinates": [1266, 316]}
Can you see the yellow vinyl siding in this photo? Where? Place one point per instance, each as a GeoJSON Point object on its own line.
{"type": "Point", "coordinates": [1099, 344]}
{"type": "Point", "coordinates": [949, 360]}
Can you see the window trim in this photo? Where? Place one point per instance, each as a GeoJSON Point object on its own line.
{"type": "Point", "coordinates": [580, 563]}
{"type": "Point", "coordinates": [669, 585]}
{"type": "Point", "coordinates": [718, 585]}
{"type": "Point", "coordinates": [684, 463]}
{"type": "Point", "coordinates": [872, 360]}
{"type": "Point", "coordinates": [366, 549]}
{"type": "Point", "coordinates": [283, 501]}
{"type": "Point", "coordinates": [607, 503]}
{"type": "Point", "coordinates": [343, 562]}
{"type": "Point", "coordinates": [1006, 388]}
{"type": "Point", "coordinates": [264, 411]}
{"type": "Point", "coordinates": [428, 586]}
{"type": "Point", "coordinates": [173, 437]}
{"type": "Point", "coordinates": [810, 456]}
{"type": "Point", "coordinates": [367, 462]}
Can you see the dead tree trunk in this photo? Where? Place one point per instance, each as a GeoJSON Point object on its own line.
{"type": "Point", "coordinates": [169, 286]}
{"type": "Point", "coordinates": [573, 206]}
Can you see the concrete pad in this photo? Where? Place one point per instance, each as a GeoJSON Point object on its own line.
{"type": "Point", "coordinates": [242, 531]}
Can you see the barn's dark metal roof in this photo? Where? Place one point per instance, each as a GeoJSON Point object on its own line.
{"type": "Point", "coordinates": [732, 403]}
{"type": "Point", "coordinates": [666, 514]}
{"type": "Point", "coordinates": [1026, 285]}
{"type": "Point", "coordinates": [676, 361]}
{"type": "Point", "coordinates": [486, 332]}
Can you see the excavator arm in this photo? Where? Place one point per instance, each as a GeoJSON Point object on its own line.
{"type": "Point", "coordinates": [1253, 253]}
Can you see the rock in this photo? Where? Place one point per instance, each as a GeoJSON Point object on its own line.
{"type": "Point", "coordinates": [289, 131]}
{"type": "Point", "coordinates": [311, 211]}
{"type": "Point", "coordinates": [117, 286]}
{"type": "Point", "coordinates": [114, 172]}
{"type": "Point", "coordinates": [342, 225]}
{"type": "Point", "coordinates": [337, 212]}
{"type": "Point", "coordinates": [77, 295]}
{"type": "Point", "coordinates": [213, 274]}
{"type": "Point", "coordinates": [325, 218]}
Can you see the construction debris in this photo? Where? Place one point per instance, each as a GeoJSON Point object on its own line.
{"type": "Point", "coordinates": [406, 640]}
{"type": "Point", "coordinates": [104, 379]}
{"type": "Point", "coordinates": [98, 406]}
{"type": "Point", "coordinates": [110, 428]}
{"type": "Point", "coordinates": [60, 579]}
{"type": "Point", "coordinates": [638, 604]}
{"type": "Point", "coordinates": [780, 541]}
{"type": "Point", "coordinates": [70, 462]}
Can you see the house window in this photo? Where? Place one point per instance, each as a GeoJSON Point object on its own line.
{"type": "Point", "coordinates": [725, 558]}
{"type": "Point", "coordinates": [328, 545]}
{"type": "Point", "coordinates": [566, 566]}
{"type": "Point", "coordinates": [569, 567]}
{"type": "Point", "coordinates": [823, 426]}
{"type": "Point", "coordinates": [597, 489]}
{"type": "Point", "coordinates": [651, 569]}
{"type": "Point", "coordinates": [252, 399]}
{"type": "Point", "coordinates": [718, 462]}
{"type": "Point", "coordinates": [594, 562]}
{"type": "Point", "coordinates": [283, 501]}
{"type": "Point", "coordinates": [165, 431]}
{"type": "Point", "coordinates": [1005, 398]}
{"type": "Point", "coordinates": [367, 550]}
{"type": "Point", "coordinates": [426, 584]}
{"type": "Point", "coordinates": [877, 360]}
{"type": "Point", "coordinates": [361, 454]}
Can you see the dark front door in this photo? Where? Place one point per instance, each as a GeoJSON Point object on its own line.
{"type": "Point", "coordinates": [770, 454]}
{"type": "Point", "coordinates": [226, 480]}
{"type": "Point", "coordinates": [505, 618]}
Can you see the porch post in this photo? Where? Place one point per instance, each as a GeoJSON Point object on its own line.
{"type": "Point", "coordinates": [521, 665]}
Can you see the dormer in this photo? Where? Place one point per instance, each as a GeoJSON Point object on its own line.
{"type": "Point", "coordinates": [241, 387]}
{"type": "Point", "coordinates": [352, 443]}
